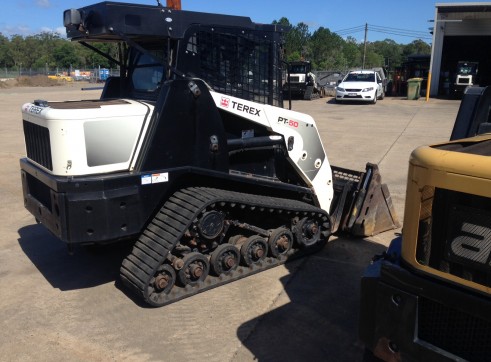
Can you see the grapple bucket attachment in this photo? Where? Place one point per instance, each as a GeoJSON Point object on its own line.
{"type": "Point", "coordinates": [362, 204]}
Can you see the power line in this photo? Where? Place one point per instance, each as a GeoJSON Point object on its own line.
{"type": "Point", "coordinates": [348, 31]}
{"type": "Point", "coordinates": [353, 28]}
{"type": "Point", "coordinates": [351, 32]}
{"type": "Point", "coordinates": [385, 30]}
{"type": "Point", "coordinates": [399, 34]}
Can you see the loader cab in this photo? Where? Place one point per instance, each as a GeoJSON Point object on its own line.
{"type": "Point", "coordinates": [233, 55]}
{"type": "Point", "coordinates": [141, 75]}
{"type": "Point", "coordinates": [299, 72]}
{"type": "Point", "coordinates": [146, 75]}
{"type": "Point", "coordinates": [300, 68]}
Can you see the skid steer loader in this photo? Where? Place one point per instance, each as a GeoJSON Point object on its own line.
{"type": "Point", "coordinates": [428, 298]}
{"type": "Point", "coordinates": [190, 155]}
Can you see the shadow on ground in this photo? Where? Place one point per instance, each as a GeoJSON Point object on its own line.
{"type": "Point", "coordinates": [320, 323]}
{"type": "Point", "coordinates": [86, 268]}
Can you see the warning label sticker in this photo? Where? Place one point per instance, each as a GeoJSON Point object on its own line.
{"type": "Point", "coordinates": [155, 178]}
{"type": "Point", "coordinates": [146, 179]}
{"type": "Point", "coordinates": [160, 177]}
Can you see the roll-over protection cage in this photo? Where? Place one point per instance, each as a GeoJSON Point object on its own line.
{"type": "Point", "coordinates": [231, 54]}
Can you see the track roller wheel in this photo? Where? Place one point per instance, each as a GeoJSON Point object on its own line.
{"type": "Point", "coordinates": [161, 284]}
{"type": "Point", "coordinates": [237, 240]}
{"type": "Point", "coordinates": [195, 269]}
{"type": "Point", "coordinates": [224, 259]}
{"type": "Point", "coordinates": [280, 242]}
{"type": "Point", "coordinates": [307, 232]}
{"type": "Point", "coordinates": [211, 224]}
{"type": "Point", "coordinates": [254, 250]}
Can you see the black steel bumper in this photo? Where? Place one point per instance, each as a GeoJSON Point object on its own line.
{"type": "Point", "coordinates": [295, 88]}
{"type": "Point", "coordinates": [410, 317]}
{"type": "Point", "coordinates": [86, 209]}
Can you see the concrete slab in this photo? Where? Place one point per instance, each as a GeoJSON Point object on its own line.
{"type": "Point", "coordinates": [58, 307]}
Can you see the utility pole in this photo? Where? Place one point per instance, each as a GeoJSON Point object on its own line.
{"type": "Point", "coordinates": [365, 46]}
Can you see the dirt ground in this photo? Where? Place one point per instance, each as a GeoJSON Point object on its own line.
{"type": "Point", "coordinates": [34, 81]}
{"type": "Point", "coordinates": [57, 307]}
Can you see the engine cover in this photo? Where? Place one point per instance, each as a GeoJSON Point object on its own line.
{"type": "Point", "coordinates": [84, 137]}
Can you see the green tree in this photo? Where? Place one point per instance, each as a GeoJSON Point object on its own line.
{"type": "Point", "coordinates": [351, 52]}
{"type": "Point", "coordinates": [372, 58]}
{"type": "Point", "coordinates": [64, 55]}
{"type": "Point", "coordinates": [31, 50]}
{"type": "Point", "coordinates": [325, 50]}
{"type": "Point", "coordinates": [390, 51]}
{"type": "Point", "coordinates": [4, 46]}
{"type": "Point", "coordinates": [297, 42]}
{"type": "Point", "coordinates": [416, 47]}
{"type": "Point", "coordinates": [283, 22]}
{"type": "Point", "coordinates": [92, 59]}
{"type": "Point", "coordinates": [16, 51]}
{"type": "Point", "coordinates": [47, 41]}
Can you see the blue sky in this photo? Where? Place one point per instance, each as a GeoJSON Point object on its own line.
{"type": "Point", "coordinates": [385, 18]}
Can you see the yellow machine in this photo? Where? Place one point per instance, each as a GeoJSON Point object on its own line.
{"type": "Point", "coordinates": [429, 297]}
{"type": "Point", "coordinates": [61, 77]}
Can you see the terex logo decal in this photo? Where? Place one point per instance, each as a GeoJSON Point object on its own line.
{"type": "Point", "coordinates": [34, 109]}
{"type": "Point", "coordinates": [225, 102]}
{"type": "Point", "coordinates": [245, 108]}
{"type": "Point", "coordinates": [288, 122]}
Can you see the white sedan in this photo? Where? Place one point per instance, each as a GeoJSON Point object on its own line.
{"type": "Point", "coordinates": [360, 85]}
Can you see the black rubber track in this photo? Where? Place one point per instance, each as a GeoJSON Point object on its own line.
{"type": "Point", "coordinates": [177, 215]}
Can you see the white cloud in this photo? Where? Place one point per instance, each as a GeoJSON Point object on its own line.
{"type": "Point", "coordinates": [23, 30]}
{"type": "Point", "coordinates": [9, 30]}
{"type": "Point", "coordinates": [59, 30]}
{"type": "Point", "coordinates": [43, 3]}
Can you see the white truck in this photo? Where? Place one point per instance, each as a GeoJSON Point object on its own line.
{"type": "Point", "coordinates": [300, 81]}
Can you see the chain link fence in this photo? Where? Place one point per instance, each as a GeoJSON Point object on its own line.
{"type": "Point", "coordinates": [94, 75]}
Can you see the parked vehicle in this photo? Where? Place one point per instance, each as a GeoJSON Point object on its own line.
{"type": "Point", "coordinates": [428, 298]}
{"type": "Point", "coordinates": [466, 76]}
{"type": "Point", "coordinates": [383, 75]}
{"type": "Point", "coordinates": [361, 85]}
{"type": "Point", "coordinates": [61, 77]}
{"type": "Point", "coordinates": [302, 82]}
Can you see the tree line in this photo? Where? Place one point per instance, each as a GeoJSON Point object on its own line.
{"type": "Point", "coordinates": [325, 49]}
{"type": "Point", "coordinates": [49, 50]}
{"type": "Point", "coordinates": [328, 51]}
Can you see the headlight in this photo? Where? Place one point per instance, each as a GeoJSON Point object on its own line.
{"type": "Point", "coordinates": [340, 89]}
{"type": "Point", "coordinates": [367, 89]}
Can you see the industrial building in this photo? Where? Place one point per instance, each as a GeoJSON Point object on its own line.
{"type": "Point", "coordinates": [462, 32]}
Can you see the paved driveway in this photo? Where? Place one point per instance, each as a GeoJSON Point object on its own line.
{"type": "Point", "coordinates": [57, 307]}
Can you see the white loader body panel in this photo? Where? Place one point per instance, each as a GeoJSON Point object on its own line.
{"type": "Point", "coordinates": [89, 137]}
{"type": "Point", "coordinates": [297, 78]}
{"type": "Point", "coordinates": [92, 137]}
{"type": "Point", "coordinates": [307, 152]}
